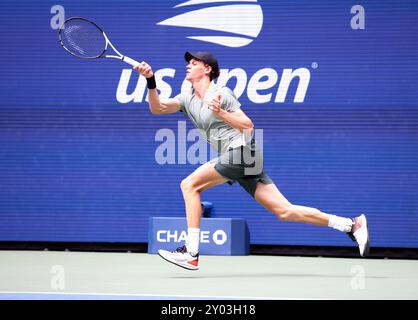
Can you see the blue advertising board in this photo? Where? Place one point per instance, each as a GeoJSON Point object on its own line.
{"type": "Point", "coordinates": [218, 236]}
{"type": "Point", "coordinates": [332, 84]}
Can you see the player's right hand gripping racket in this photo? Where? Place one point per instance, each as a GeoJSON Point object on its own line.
{"type": "Point", "coordinates": [85, 39]}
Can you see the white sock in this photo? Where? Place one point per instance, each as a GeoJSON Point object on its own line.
{"type": "Point", "coordinates": [340, 223]}
{"type": "Point", "coordinates": [193, 239]}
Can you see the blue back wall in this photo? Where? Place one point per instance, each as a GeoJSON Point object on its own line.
{"type": "Point", "coordinates": [77, 141]}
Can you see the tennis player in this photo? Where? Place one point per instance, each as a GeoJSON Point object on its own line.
{"type": "Point", "coordinates": [217, 113]}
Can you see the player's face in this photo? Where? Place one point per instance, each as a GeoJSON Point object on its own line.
{"type": "Point", "coordinates": [196, 70]}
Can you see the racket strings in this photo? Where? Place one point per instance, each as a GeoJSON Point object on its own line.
{"type": "Point", "coordinates": [83, 39]}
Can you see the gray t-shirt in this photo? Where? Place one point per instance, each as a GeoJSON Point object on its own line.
{"type": "Point", "coordinates": [219, 134]}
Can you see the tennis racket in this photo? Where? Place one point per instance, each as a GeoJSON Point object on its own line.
{"type": "Point", "coordinates": [85, 39]}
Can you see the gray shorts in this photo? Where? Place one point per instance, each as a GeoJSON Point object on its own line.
{"type": "Point", "coordinates": [243, 164]}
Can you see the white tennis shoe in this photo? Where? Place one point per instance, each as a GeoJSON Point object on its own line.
{"type": "Point", "coordinates": [359, 233]}
{"type": "Point", "coordinates": [181, 258]}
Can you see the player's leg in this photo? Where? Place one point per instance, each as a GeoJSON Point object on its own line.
{"type": "Point", "coordinates": [271, 198]}
{"type": "Point", "coordinates": [202, 178]}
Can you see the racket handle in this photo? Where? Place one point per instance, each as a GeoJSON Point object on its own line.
{"type": "Point", "coordinates": [130, 61]}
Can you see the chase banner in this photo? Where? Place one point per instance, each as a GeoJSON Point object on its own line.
{"type": "Point", "coordinates": [218, 236]}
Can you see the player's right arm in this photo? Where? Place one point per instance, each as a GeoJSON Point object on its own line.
{"type": "Point", "coordinates": [157, 106]}
{"type": "Point", "coordinates": [165, 106]}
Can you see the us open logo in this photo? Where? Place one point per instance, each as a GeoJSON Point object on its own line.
{"type": "Point", "coordinates": [232, 25]}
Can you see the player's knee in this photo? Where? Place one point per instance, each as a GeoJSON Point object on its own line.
{"type": "Point", "coordinates": [188, 185]}
{"type": "Point", "coordinates": [184, 184]}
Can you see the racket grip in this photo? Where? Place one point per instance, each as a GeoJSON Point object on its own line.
{"type": "Point", "coordinates": [130, 61]}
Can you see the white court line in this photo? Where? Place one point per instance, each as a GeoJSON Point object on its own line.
{"type": "Point", "coordinates": [165, 297]}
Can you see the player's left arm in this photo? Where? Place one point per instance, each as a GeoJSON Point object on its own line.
{"type": "Point", "coordinates": [236, 119]}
